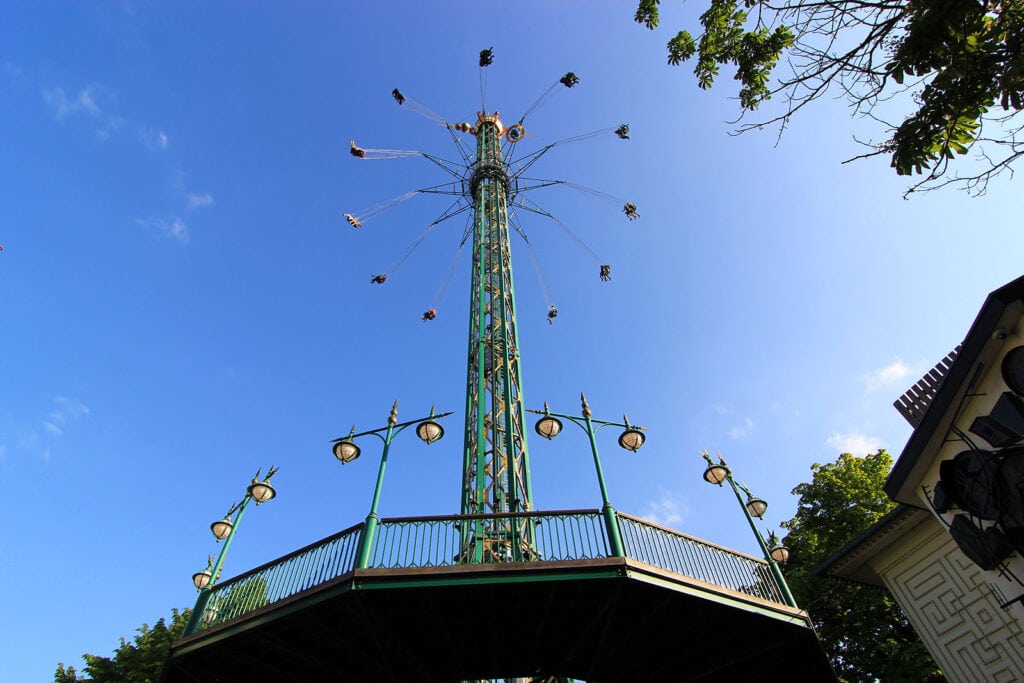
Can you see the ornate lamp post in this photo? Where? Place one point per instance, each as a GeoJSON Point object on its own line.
{"type": "Point", "coordinates": [224, 530]}
{"type": "Point", "coordinates": [549, 426]}
{"type": "Point", "coordinates": [719, 472]}
{"type": "Point", "coordinates": [346, 450]}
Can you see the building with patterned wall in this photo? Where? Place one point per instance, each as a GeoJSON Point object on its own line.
{"type": "Point", "coordinates": [952, 552]}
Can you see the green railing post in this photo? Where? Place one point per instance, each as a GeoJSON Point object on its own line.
{"type": "Point", "coordinates": [345, 450]}
{"type": "Point", "coordinates": [197, 610]}
{"type": "Point", "coordinates": [610, 518]}
{"type": "Point", "coordinates": [632, 439]}
{"type": "Point", "coordinates": [369, 531]}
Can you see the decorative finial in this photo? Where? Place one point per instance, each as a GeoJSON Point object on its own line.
{"type": "Point", "coordinates": [393, 418]}
{"type": "Point", "coordinates": [586, 408]}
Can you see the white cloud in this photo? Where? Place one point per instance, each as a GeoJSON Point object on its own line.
{"type": "Point", "coordinates": [720, 409]}
{"type": "Point", "coordinates": [83, 104]}
{"type": "Point", "coordinates": [153, 138]}
{"type": "Point", "coordinates": [741, 430]}
{"type": "Point", "coordinates": [890, 374]}
{"type": "Point", "coordinates": [64, 412]}
{"type": "Point", "coordinates": [668, 510]}
{"type": "Point", "coordinates": [58, 102]}
{"type": "Point", "coordinates": [854, 442]}
{"type": "Point", "coordinates": [196, 201]}
{"type": "Point", "coordinates": [64, 106]}
{"type": "Point", "coordinates": [86, 101]}
{"type": "Point", "coordinates": [175, 228]}
{"type": "Point", "coordinates": [72, 407]}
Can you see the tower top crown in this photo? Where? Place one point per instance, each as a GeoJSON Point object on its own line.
{"type": "Point", "coordinates": [483, 117]}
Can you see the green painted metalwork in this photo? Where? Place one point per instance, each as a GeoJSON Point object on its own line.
{"type": "Point", "coordinates": [780, 580]}
{"type": "Point", "coordinates": [238, 509]}
{"type": "Point", "coordinates": [681, 554]}
{"type": "Point", "coordinates": [496, 469]}
{"type": "Point", "coordinates": [300, 570]}
{"type": "Point", "coordinates": [393, 429]}
{"type": "Point", "coordinates": [436, 541]}
{"type": "Point", "coordinates": [587, 423]}
{"type": "Point", "coordinates": [414, 542]}
{"type": "Point", "coordinates": [204, 595]}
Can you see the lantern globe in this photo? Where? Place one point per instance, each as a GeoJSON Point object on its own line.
{"type": "Point", "coordinates": [632, 440]}
{"type": "Point", "coordinates": [779, 553]}
{"type": "Point", "coordinates": [756, 507]}
{"type": "Point", "coordinates": [346, 451]}
{"type": "Point", "coordinates": [429, 431]}
{"type": "Point", "coordinates": [716, 474]}
{"type": "Point", "coordinates": [222, 528]}
{"type": "Point", "coordinates": [202, 579]}
{"type": "Point", "coordinates": [261, 491]}
{"type": "Point", "coordinates": [549, 427]}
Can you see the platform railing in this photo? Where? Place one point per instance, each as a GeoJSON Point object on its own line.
{"type": "Point", "coordinates": [446, 541]}
{"type": "Point", "coordinates": [678, 553]}
{"type": "Point", "coordinates": [278, 579]}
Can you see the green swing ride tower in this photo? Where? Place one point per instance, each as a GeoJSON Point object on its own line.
{"type": "Point", "coordinates": [496, 461]}
{"type": "Point", "coordinates": [500, 591]}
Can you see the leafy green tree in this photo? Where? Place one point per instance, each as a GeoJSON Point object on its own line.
{"type": "Point", "coordinates": [864, 631]}
{"type": "Point", "coordinates": [960, 62]}
{"type": "Point", "coordinates": [140, 661]}
{"type": "Point", "coordinates": [68, 675]}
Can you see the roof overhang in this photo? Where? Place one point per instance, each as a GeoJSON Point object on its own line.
{"type": "Point", "coordinates": [855, 560]}
{"type": "Point", "coordinates": [1003, 309]}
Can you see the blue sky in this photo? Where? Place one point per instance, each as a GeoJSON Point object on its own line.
{"type": "Point", "coordinates": [183, 302]}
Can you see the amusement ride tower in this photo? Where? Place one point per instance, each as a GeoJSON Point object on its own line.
{"type": "Point", "coordinates": [496, 462]}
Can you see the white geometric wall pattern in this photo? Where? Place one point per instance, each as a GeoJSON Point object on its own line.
{"type": "Point", "coordinates": [953, 609]}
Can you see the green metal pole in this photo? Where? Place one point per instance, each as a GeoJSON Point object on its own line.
{"type": "Point", "coordinates": [227, 541]}
{"type": "Point", "coordinates": [204, 594]}
{"type": "Point", "coordinates": [370, 529]}
{"type": "Point", "coordinates": [776, 572]}
{"type": "Point", "coordinates": [611, 520]}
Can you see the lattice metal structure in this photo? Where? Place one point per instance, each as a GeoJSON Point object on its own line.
{"type": "Point", "coordinates": [496, 463]}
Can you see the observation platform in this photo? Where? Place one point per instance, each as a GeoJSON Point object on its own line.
{"type": "Point", "coordinates": [675, 608]}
